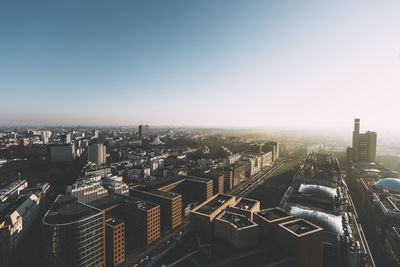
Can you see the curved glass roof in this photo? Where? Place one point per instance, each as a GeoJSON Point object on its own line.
{"type": "Point", "coordinates": [317, 190]}
{"type": "Point", "coordinates": [390, 184]}
{"type": "Point", "coordinates": [330, 222]}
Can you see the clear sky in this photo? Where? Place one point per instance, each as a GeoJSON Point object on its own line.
{"type": "Point", "coordinates": [288, 64]}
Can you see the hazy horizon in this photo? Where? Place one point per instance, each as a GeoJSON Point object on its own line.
{"type": "Point", "coordinates": [225, 64]}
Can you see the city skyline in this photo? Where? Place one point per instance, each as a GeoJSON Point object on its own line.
{"type": "Point", "coordinates": [226, 64]}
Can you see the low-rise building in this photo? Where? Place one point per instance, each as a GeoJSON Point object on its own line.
{"type": "Point", "coordinates": [237, 229]}
{"type": "Point", "coordinates": [300, 237]}
{"type": "Point", "coordinates": [202, 216]}
{"type": "Point", "coordinates": [269, 219]}
{"type": "Point", "coordinates": [246, 206]}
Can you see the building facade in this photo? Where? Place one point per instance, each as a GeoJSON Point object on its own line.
{"type": "Point", "coordinates": [73, 234]}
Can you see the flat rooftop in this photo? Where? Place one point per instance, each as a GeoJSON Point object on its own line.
{"type": "Point", "coordinates": [273, 214]}
{"type": "Point", "coordinates": [236, 219]}
{"type": "Point", "coordinates": [300, 227]}
{"type": "Point", "coordinates": [112, 221]}
{"type": "Point", "coordinates": [66, 209]}
{"type": "Point", "coordinates": [116, 199]}
{"type": "Point", "coordinates": [107, 201]}
{"type": "Point", "coordinates": [139, 203]}
{"type": "Point", "coordinates": [197, 179]}
{"type": "Point", "coordinates": [214, 204]}
{"type": "Point", "coordinates": [166, 194]}
{"type": "Point", "coordinates": [246, 203]}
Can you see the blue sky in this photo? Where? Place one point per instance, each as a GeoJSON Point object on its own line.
{"type": "Point", "coordinates": [288, 64]}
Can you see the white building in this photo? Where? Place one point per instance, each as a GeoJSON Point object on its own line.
{"type": "Point", "coordinates": [227, 162]}
{"type": "Point", "coordinates": [97, 154]}
{"type": "Point", "coordinates": [12, 190]}
{"type": "Point", "coordinates": [87, 190]}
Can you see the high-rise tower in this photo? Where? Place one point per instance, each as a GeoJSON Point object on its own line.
{"type": "Point", "coordinates": [364, 145]}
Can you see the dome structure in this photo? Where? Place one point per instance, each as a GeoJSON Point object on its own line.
{"type": "Point", "coordinates": [330, 222]}
{"type": "Point", "coordinates": [318, 191]}
{"type": "Point", "coordinates": [390, 184]}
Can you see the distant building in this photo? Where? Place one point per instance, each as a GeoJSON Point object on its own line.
{"type": "Point", "coordinates": [144, 131]}
{"type": "Point", "coordinates": [217, 176]}
{"type": "Point", "coordinates": [65, 152]}
{"type": "Point", "coordinates": [364, 145]}
{"type": "Point", "coordinates": [87, 190]}
{"type": "Point", "coordinates": [228, 161]}
{"type": "Point", "coordinates": [73, 234]}
{"type": "Point", "coordinates": [45, 136]}
{"type": "Point", "coordinates": [157, 142]}
{"type": "Point", "coordinates": [65, 138]}
{"type": "Point", "coordinates": [96, 134]}
{"type": "Point", "coordinates": [234, 176]}
{"type": "Point", "coordinates": [97, 154]}
{"type": "Point", "coordinates": [116, 186]}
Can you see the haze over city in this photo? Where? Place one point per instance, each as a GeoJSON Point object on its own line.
{"type": "Point", "coordinates": [175, 133]}
{"type": "Point", "coordinates": [282, 64]}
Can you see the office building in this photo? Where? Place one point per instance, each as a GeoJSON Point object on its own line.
{"type": "Point", "coordinates": [65, 138]}
{"type": "Point", "coordinates": [237, 229]}
{"type": "Point", "coordinates": [115, 241]}
{"type": "Point", "coordinates": [45, 135]}
{"type": "Point", "coordinates": [216, 175]}
{"type": "Point", "coordinates": [97, 154]}
{"type": "Point", "coordinates": [170, 204]}
{"type": "Point", "coordinates": [141, 218]}
{"type": "Point", "coordinates": [95, 134]}
{"type": "Point", "coordinates": [269, 219]}
{"type": "Point", "coordinates": [192, 189]}
{"type": "Point", "coordinates": [234, 175]}
{"type": "Point", "coordinates": [144, 131]}
{"type": "Point", "coordinates": [73, 234]}
{"type": "Point", "coordinates": [202, 217]}
{"type": "Point", "coordinates": [64, 152]}
{"type": "Point", "coordinates": [229, 161]}
{"type": "Point", "coordinates": [364, 145]}
{"type": "Point", "coordinates": [303, 240]}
